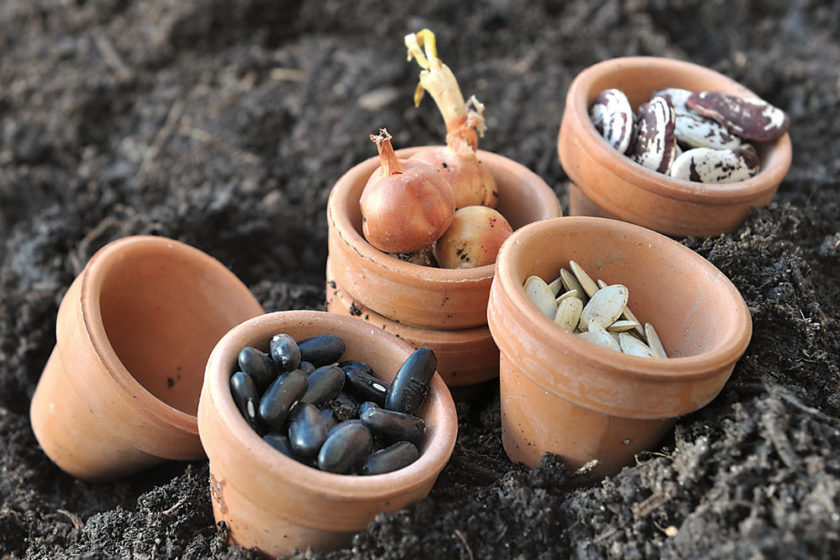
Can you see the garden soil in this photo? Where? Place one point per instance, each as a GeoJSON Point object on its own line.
{"type": "Point", "coordinates": [224, 125]}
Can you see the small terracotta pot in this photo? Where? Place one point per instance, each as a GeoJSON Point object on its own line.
{"type": "Point", "coordinates": [567, 396]}
{"type": "Point", "coordinates": [134, 331]}
{"type": "Point", "coordinates": [419, 295]}
{"type": "Point", "coordinates": [465, 356]}
{"type": "Point", "coordinates": [274, 503]}
{"type": "Point", "coordinates": [608, 184]}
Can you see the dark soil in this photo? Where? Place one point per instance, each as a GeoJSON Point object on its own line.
{"type": "Point", "coordinates": [224, 125]}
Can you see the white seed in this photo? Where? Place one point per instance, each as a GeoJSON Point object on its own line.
{"type": "Point", "coordinates": [654, 342]}
{"type": "Point", "coordinates": [605, 307]}
{"type": "Point", "coordinates": [570, 293]}
{"type": "Point", "coordinates": [540, 294]}
{"type": "Point", "coordinates": [602, 284]}
{"type": "Point", "coordinates": [628, 315]}
{"type": "Point", "coordinates": [633, 346]}
{"type": "Point", "coordinates": [599, 336]}
{"type": "Point", "coordinates": [568, 313]}
{"type": "Point", "coordinates": [570, 282]}
{"type": "Point", "coordinates": [585, 281]}
{"type": "Point", "coordinates": [622, 326]}
{"type": "Point", "coordinates": [556, 285]}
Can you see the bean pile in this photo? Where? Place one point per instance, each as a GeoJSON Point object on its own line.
{"type": "Point", "coordinates": [701, 137]}
{"type": "Point", "coordinates": [594, 311]}
{"type": "Point", "coordinates": [333, 415]}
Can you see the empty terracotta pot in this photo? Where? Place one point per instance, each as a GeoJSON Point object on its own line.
{"type": "Point", "coordinates": [608, 184]}
{"type": "Point", "coordinates": [422, 296]}
{"type": "Point", "coordinates": [274, 503]}
{"type": "Point", "coordinates": [134, 331]}
{"type": "Point", "coordinates": [465, 356]}
{"type": "Point", "coordinates": [564, 395]}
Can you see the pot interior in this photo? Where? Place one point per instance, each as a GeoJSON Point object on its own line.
{"type": "Point", "coordinates": [694, 307]}
{"type": "Point", "coordinates": [162, 312]}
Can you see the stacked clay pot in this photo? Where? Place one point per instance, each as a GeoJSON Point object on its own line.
{"type": "Point", "coordinates": [444, 309]}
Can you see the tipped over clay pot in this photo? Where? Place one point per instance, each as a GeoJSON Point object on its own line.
{"type": "Point", "coordinates": [134, 331]}
{"type": "Point", "coordinates": [274, 503]}
{"type": "Point", "coordinates": [608, 184]}
{"type": "Point", "coordinates": [565, 395]}
{"type": "Point", "coordinates": [416, 295]}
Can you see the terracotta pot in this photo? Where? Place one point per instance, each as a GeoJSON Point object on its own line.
{"type": "Point", "coordinates": [608, 184]}
{"type": "Point", "coordinates": [564, 395]}
{"type": "Point", "coordinates": [419, 295]}
{"type": "Point", "coordinates": [134, 331]}
{"type": "Point", "coordinates": [465, 356]}
{"type": "Point", "coordinates": [274, 503]}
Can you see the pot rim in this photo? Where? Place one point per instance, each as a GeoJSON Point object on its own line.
{"type": "Point", "coordinates": [687, 368]}
{"type": "Point", "coordinates": [93, 278]}
{"type": "Point", "coordinates": [305, 479]}
{"type": "Point", "coordinates": [338, 215]}
{"type": "Point", "coordinates": [775, 162]}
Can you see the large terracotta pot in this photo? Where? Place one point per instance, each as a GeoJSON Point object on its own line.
{"type": "Point", "coordinates": [415, 301]}
{"type": "Point", "coordinates": [608, 184]}
{"type": "Point", "coordinates": [564, 395]}
{"type": "Point", "coordinates": [274, 503]}
{"type": "Point", "coordinates": [134, 331]}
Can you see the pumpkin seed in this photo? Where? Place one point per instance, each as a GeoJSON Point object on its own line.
{"type": "Point", "coordinates": [605, 307]}
{"type": "Point", "coordinates": [599, 336]}
{"type": "Point", "coordinates": [622, 326]}
{"type": "Point", "coordinates": [633, 346]}
{"type": "Point", "coordinates": [556, 286]}
{"type": "Point", "coordinates": [540, 294]}
{"type": "Point", "coordinates": [571, 283]}
{"type": "Point", "coordinates": [570, 293]}
{"type": "Point", "coordinates": [568, 313]}
{"type": "Point", "coordinates": [587, 283]}
{"type": "Point", "coordinates": [654, 342]}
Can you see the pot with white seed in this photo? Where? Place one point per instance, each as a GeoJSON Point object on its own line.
{"type": "Point", "coordinates": [327, 470]}
{"type": "Point", "coordinates": [583, 380]}
{"type": "Point", "coordinates": [736, 149]}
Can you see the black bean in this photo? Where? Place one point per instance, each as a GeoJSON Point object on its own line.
{"type": "Point", "coordinates": [284, 351]}
{"type": "Point", "coordinates": [325, 384]}
{"type": "Point", "coordinates": [411, 384]}
{"type": "Point", "coordinates": [306, 367]}
{"type": "Point", "coordinates": [329, 417]}
{"type": "Point", "coordinates": [356, 365]}
{"type": "Point", "coordinates": [396, 425]}
{"type": "Point", "coordinates": [245, 395]}
{"type": "Point", "coordinates": [344, 406]}
{"type": "Point", "coordinates": [397, 456]}
{"type": "Point", "coordinates": [258, 365]}
{"type": "Point", "coordinates": [347, 444]}
{"type": "Point", "coordinates": [366, 386]}
{"type": "Point", "coordinates": [280, 443]}
{"type": "Point", "coordinates": [307, 429]}
{"type": "Point", "coordinates": [279, 398]}
{"type": "Point", "coordinates": [322, 350]}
